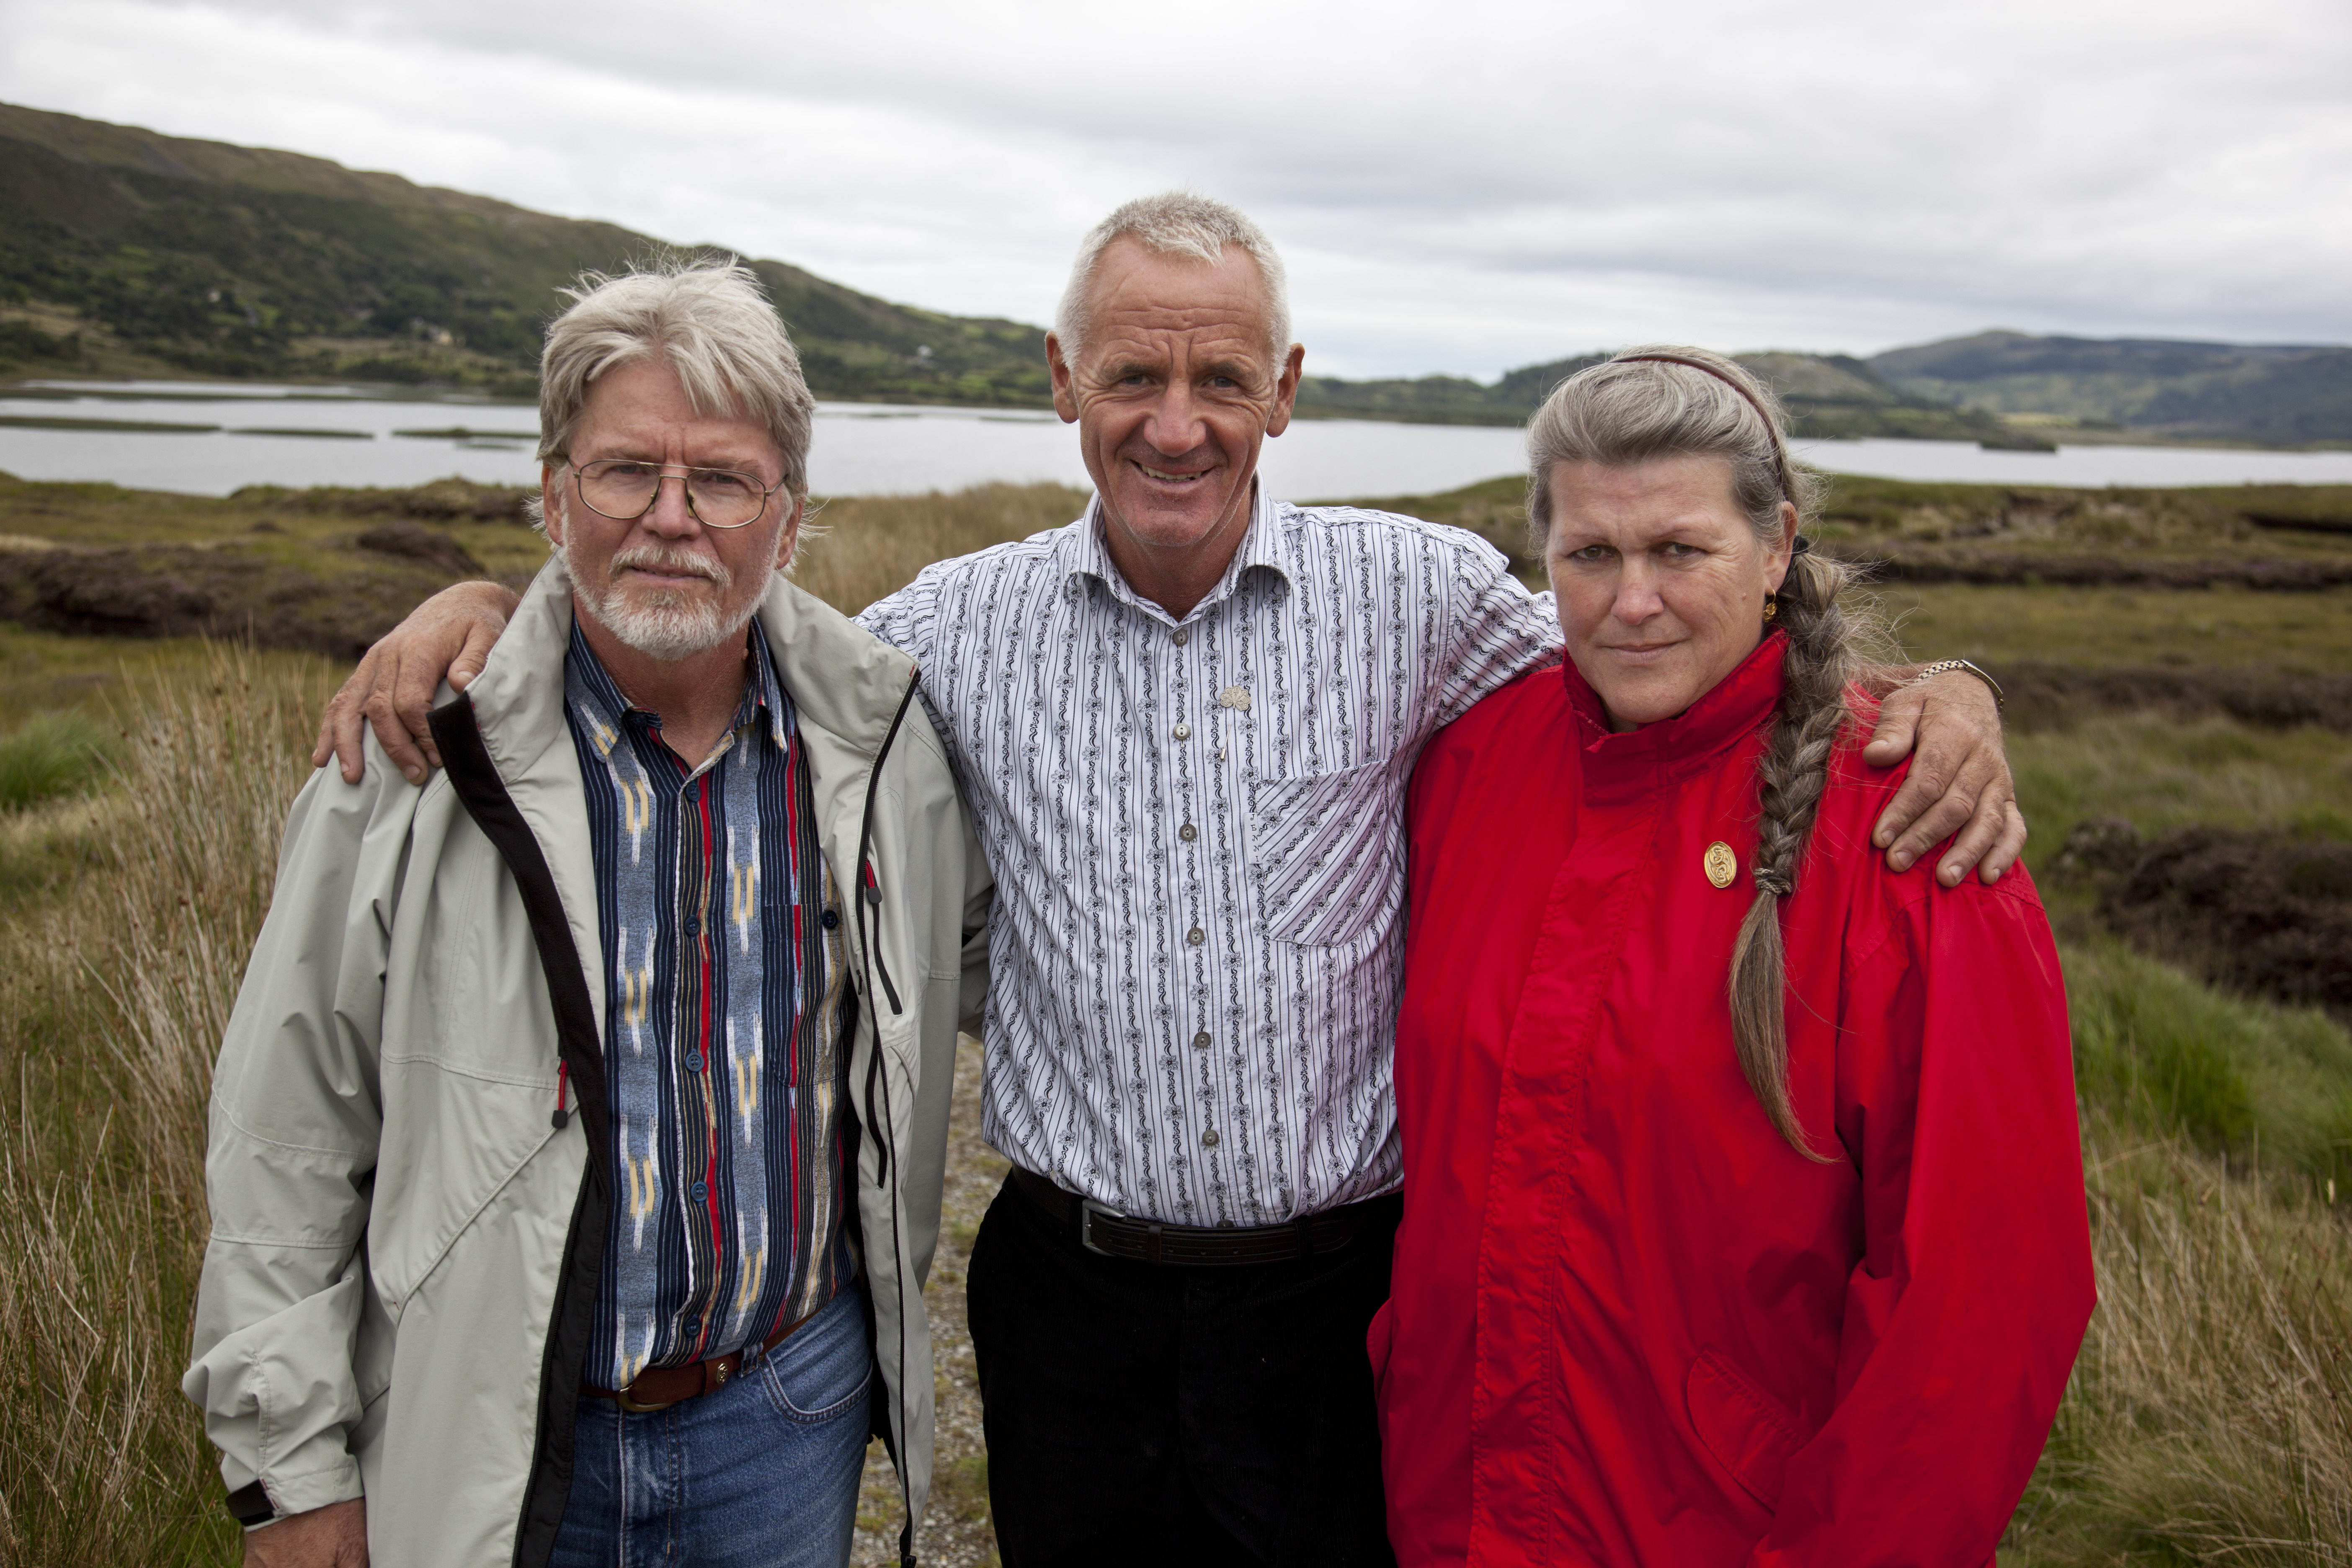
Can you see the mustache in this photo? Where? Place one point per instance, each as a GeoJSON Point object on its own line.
{"type": "Point", "coordinates": [660, 560]}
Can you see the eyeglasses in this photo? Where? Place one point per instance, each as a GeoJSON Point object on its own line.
{"type": "Point", "coordinates": [625, 490]}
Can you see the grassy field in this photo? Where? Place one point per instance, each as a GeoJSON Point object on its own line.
{"type": "Point", "coordinates": [114, 986]}
{"type": "Point", "coordinates": [143, 781]}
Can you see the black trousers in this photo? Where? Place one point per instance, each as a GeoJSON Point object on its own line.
{"type": "Point", "coordinates": [1143, 1413]}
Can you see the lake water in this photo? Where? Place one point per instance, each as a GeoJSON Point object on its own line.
{"type": "Point", "coordinates": [209, 439]}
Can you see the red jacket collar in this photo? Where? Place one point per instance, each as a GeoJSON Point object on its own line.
{"type": "Point", "coordinates": [1739, 705]}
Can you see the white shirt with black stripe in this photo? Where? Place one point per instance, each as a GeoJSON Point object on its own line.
{"type": "Point", "coordinates": [1197, 832]}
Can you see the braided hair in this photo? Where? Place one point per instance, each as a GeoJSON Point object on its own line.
{"type": "Point", "coordinates": [1671, 401]}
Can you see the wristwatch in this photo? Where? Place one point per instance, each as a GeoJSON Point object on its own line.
{"type": "Point", "coordinates": [250, 1505]}
{"type": "Point", "coordinates": [1944, 666]}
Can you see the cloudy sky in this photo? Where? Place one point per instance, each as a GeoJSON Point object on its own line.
{"type": "Point", "coordinates": [1459, 186]}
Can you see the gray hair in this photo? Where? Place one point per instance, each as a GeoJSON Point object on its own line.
{"type": "Point", "coordinates": [1175, 223]}
{"type": "Point", "coordinates": [1641, 405]}
{"type": "Point", "coordinates": [1636, 407]}
{"type": "Point", "coordinates": [710, 321]}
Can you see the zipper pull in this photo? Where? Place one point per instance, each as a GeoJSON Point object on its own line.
{"type": "Point", "coordinates": [563, 1077]}
{"type": "Point", "coordinates": [872, 890]}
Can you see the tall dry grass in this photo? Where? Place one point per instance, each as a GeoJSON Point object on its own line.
{"type": "Point", "coordinates": [2210, 1419]}
{"type": "Point", "coordinates": [113, 1001]}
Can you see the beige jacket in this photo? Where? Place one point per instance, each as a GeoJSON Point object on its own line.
{"type": "Point", "coordinates": [405, 1249]}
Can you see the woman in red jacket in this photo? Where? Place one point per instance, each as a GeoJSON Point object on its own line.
{"type": "Point", "coordinates": [1744, 1216]}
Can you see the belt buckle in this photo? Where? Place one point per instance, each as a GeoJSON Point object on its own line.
{"type": "Point", "coordinates": [621, 1397]}
{"type": "Point", "coordinates": [1088, 1209]}
{"type": "Point", "coordinates": [638, 1409]}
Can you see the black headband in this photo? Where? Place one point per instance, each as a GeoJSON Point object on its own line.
{"type": "Point", "coordinates": [1779, 451]}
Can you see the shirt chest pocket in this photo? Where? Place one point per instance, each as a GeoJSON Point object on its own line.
{"type": "Point", "coordinates": [1327, 854]}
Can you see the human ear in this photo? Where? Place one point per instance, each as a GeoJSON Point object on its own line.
{"type": "Point", "coordinates": [788, 541]}
{"type": "Point", "coordinates": [1066, 391]}
{"type": "Point", "coordinates": [551, 502]}
{"type": "Point", "coordinates": [1776, 565]}
{"type": "Point", "coordinates": [1286, 389]}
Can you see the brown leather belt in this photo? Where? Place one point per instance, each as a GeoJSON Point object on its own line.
{"type": "Point", "coordinates": [1114, 1235]}
{"type": "Point", "coordinates": [659, 1387]}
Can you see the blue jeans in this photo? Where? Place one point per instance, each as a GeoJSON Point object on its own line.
{"type": "Point", "coordinates": [762, 1473]}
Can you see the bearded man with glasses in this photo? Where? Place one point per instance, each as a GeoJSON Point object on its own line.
{"type": "Point", "coordinates": [577, 1140]}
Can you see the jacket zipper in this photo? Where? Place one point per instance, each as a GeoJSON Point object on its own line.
{"type": "Point", "coordinates": [483, 793]}
{"type": "Point", "coordinates": [869, 903]}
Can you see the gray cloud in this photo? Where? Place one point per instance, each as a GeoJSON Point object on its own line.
{"type": "Point", "coordinates": [1462, 187]}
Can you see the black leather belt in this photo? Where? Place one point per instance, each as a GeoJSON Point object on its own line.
{"type": "Point", "coordinates": [1114, 1235]}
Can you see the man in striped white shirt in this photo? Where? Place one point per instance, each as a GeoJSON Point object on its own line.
{"type": "Point", "coordinates": [1184, 725]}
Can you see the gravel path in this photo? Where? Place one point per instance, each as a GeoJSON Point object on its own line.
{"type": "Point", "coordinates": [956, 1531]}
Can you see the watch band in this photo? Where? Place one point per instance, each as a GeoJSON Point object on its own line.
{"type": "Point", "coordinates": [1946, 666]}
{"type": "Point", "coordinates": [250, 1505]}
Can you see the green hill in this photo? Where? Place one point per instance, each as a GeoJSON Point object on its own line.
{"type": "Point", "coordinates": [2276, 394]}
{"type": "Point", "coordinates": [122, 249]}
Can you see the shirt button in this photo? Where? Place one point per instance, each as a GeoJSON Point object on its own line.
{"type": "Point", "coordinates": [832, 920]}
{"type": "Point", "coordinates": [693, 926]}
{"type": "Point", "coordinates": [1183, 731]}
{"type": "Point", "coordinates": [1195, 936]}
{"type": "Point", "coordinates": [1183, 637]}
{"type": "Point", "coordinates": [1201, 1041]}
{"type": "Point", "coordinates": [700, 1193]}
{"type": "Point", "coordinates": [1188, 833]}
{"type": "Point", "coordinates": [694, 1062]}
{"type": "Point", "coordinates": [1209, 1139]}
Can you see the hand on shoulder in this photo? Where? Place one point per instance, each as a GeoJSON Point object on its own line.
{"type": "Point", "coordinates": [1960, 782]}
{"type": "Point", "coordinates": [448, 637]}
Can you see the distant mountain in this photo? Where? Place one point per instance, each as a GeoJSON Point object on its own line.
{"type": "Point", "coordinates": [2270, 395]}
{"type": "Point", "coordinates": [1827, 396]}
{"type": "Point", "coordinates": [121, 250]}
{"type": "Point", "coordinates": [1999, 389]}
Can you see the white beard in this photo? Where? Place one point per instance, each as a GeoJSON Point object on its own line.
{"type": "Point", "coordinates": [663, 623]}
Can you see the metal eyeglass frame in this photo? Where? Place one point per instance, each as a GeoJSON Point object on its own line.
{"type": "Point", "coordinates": [681, 472]}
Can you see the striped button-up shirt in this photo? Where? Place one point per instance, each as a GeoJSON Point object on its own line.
{"type": "Point", "coordinates": [1197, 832]}
{"type": "Point", "coordinates": [722, 1057]}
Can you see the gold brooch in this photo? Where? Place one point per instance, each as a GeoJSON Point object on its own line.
{"type": "Point", "coordinates": [1234, 697]}
{"type": "Point", "coordinates": [1722, 865]}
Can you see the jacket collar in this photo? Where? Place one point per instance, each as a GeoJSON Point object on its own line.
{"type": "Point", "coordinates": [1079, 552]}
{"type": "Point", "coordinates": [1730, 712]}
{"type": "Point", "coordinates": [843, 679]}
{"type": "Point", "coordinates": [609, 707]}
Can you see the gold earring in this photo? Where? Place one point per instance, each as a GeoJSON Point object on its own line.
{"type": "Point", "coordinates": [1771, 608]}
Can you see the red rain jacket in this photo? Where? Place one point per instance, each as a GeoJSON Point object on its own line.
{"type": "Point", "coordinates": [1629, 1323]}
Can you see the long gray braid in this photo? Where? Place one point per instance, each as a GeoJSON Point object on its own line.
{"type": "Point", "coordinates": [1669, 401]}
{"type": "Point", "coordinates": [1819, 667]}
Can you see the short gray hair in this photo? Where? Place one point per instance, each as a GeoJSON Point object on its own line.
{"type": "Point", "coordinates": [710, 321]}
{"type": "Point", "coordinates": [1175, 223]}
